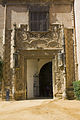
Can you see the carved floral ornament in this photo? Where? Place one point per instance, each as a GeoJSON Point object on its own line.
{"type": "Point", "coordinates": [49, 39]}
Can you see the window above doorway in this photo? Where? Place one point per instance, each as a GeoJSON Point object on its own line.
{"type": "Point", "coordinates": [39, 21]}
{"type": "Point", "coordinates": [39, 18]}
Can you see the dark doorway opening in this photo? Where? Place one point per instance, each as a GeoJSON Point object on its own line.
{"type": "Point", "coordinates": [45, 81]}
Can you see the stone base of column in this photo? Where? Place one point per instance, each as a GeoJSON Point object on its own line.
{"type": "Point", "coordinates": [4, 97]}
{"type": "Point", "coordinates": [70, 93]}
{"type": "Point", "coordinates": [58, 96]}
{"type": "Point", "coordinates": [64, 95]}
{"type": "Point", "coordinates": [20, 95]}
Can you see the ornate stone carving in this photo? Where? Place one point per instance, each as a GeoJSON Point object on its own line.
{"type": "Point", "coordinates": [50, 39]}
{"type": "Point", "coordinates": [59, 82]}
{"type": "Point", "coordinates": [18, 82]}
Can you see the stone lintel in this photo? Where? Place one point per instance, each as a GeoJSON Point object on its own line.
{"type": "Point", "coordinates": [29, 54]}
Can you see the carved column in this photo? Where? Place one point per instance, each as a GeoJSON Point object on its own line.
{"type": "Point", "coordinates": [4, 41]}
{"type": "Point", "coordinates": [64, 95]}
{"type": "Point", "coordinates": [20, 83]}
{"type": "Point", "coordinates": [12, 65]}
{"type": "Point", "coordinates": [6, 65]}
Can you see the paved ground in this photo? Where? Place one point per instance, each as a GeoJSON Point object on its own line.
{"type": "Point", "coordinates": [40, 110]}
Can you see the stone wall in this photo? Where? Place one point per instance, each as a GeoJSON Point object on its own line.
{"type": "Point", "coordinates": [62, 13]}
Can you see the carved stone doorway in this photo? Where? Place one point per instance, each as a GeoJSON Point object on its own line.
{"type": "Point", "coordinates": [45, 81]}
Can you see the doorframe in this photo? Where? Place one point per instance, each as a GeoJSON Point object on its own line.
{"type": "Point", "coordinates": [53, 75]}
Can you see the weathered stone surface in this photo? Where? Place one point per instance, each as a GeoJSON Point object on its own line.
{"type": "Point", "coordinates": [69, 60]}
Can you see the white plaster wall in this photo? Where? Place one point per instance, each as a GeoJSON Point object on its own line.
{"type": "Point", "coordinates": [32, 68]}
{"type": "Point", "coordinates": [63, 14]}
{"type": "Point", "coordinates": [77, 23]}
{"type": "Point", "coordinates": [17, 14]}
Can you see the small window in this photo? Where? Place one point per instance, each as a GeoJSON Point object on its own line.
{"type": "Point", "coordinates": [39, 21]}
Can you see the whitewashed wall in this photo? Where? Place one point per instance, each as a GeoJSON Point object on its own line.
{"type": "Point", "coordinates": [77, 21]}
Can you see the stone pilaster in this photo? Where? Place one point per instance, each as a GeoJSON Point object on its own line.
{"type": "Point", "coordinates": [6, 66]}
{"type": "Point", "coordinates": [12, 61]}
{"type": "Point", "coordinates": [70, 73]}
{"type": "Point", "coordinates": [20, 83]}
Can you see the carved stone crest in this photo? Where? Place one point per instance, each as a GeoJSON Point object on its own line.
{"type": "Point", "coordinates": [29, 39]}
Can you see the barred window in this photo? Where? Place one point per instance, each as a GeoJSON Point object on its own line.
{"type": "Point", "coordinates": [39, 21]}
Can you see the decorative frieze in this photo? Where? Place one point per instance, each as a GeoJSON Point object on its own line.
{"type": "Point", "coordinates": [28, 39]}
